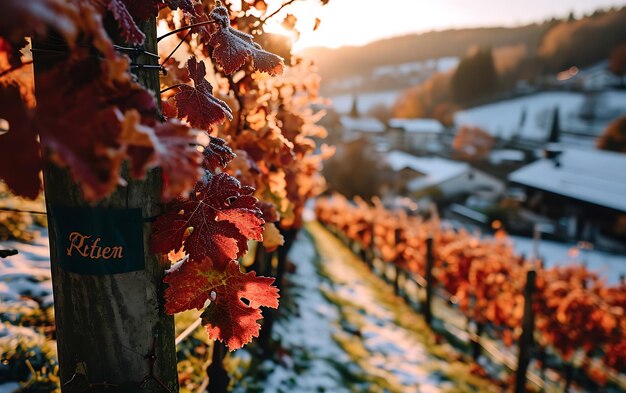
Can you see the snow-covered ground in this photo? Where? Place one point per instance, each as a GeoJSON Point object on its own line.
{"type": "Point", "coordinates": [309, 336]}
{"type": "Point", "coordinates": [607, 265]}
{"type": "Point", "coordinates": [25, 310]}
{"type": "Point", "coordinates": [443, 64]}
{"type": "Point", "coordinates": [503, 118]}
{"type": "Point", "coordinates": [348, 332]}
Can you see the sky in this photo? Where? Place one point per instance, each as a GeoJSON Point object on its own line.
{"type": "Point", "coordinates": [358, 22]}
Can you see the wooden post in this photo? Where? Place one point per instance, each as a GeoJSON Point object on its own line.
{"type": "Point", "coordinates": [526, 339]}
{"type": "Point", "coordinates": [289, 236]}
{"type": "Point", "coordinates": [430, 262]}
{"type": "Point", "coordinates": [475, 340]}
{"type": "Point", "coordinates": [396, 283]}
{"type": "Point", "coordinates": [569, 375]}
{"type": "Point", "coordinates": [218, 377]}
{"type": "Point", "coordinates": [111, 328]}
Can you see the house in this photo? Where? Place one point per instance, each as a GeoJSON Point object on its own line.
{"type": "Point", "coordinates": [582, 190]}
{"type": "Point", "coordinates": [355, 127]}
{"type": "Point", "coordinates": [438, 178]}
{"type": "Point", "coordinates": [416, 135]}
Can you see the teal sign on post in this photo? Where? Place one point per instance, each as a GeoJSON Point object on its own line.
{"type": "Point", "coordinates": [99, 241]}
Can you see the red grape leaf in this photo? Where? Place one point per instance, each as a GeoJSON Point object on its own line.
{"type": "Point", "coordinates": [217, 220]}
{"type": "Point", "coordinates": [18, 168]}
{"type": "Point", "coordinates": [129, 30]}
{"type": "Point", "coordinates": [217, 154]}
{"type": "Point", "coordinates": [185, 5]}
{"type": "Point", "coordinates": [232, 48]}
{"type": "Point", "coordinates": [169, 145]}
{"type": "Point", "coordinates": [177, 157]}
{"type": "Point", "coordinates": [198, 104]}
{"type": "Point", "coordinates": [142, 10]}
{"type": "Point", "coordinates": [80, 115]}
{"type": "Point", "coordinates": [25, 18]}
{"type": "Point", "coordinates": [227, 318]}
{"type": "Point", "coordinates": [270, 214]}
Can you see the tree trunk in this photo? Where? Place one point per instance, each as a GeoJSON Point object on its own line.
{"type": "Point", "coordinates": [112, 332]}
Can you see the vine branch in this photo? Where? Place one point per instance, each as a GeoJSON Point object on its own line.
{"type": "Point", "coordinates": [206, 22]}
{"type": "Point", "coordinates": [175, 49]}
{"type": "Point", "coordinates": [172, 87]}
{"type": "Point", "coordinates": [273, 14]}
{"type": "Point", "coordinates": [10, 70]}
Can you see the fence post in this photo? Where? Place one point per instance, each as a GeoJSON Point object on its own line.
{"type": "Point", "coordinates": [526, 340]}
{"type": "Point", "coordinates": [396, 283]}
{"type": "Point", "coordinates": [430, 261]}
{"type": "Point", "coordinates": [110, 327]}
{"type": "Point", "coordinates": [218, 377]}
{"type": "Point", "coordinates": [475, 340]}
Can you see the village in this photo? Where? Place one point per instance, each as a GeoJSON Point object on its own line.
{"type": "Point", "coordinates": [528, 162]}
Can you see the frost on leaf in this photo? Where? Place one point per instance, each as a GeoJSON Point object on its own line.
{"type": "Point", "coordinates": [129, 30]}
{"type": "Point", "coordinates": [217, 220]}
{"type": "Point", "coordinates": [232, 48]}
{"type": "Point", "coordinates": [217, 154]}
{"type": "Point", "coordinates": [227, 318]}
{"type": "Point", "coordinates": [185, 5]}
{"type": "Point", "coordinates": [20, 171]}
{"type": "Point", "coordinates": [198, 104]}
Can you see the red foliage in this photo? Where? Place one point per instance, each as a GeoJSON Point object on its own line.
{"type": "Point", "coordinates": [129, 30]}
{"type": "Point", "coordinates": [19, 171]}
{"type": "Point", "coordinates": [575, 312]}
{"type": "Point", "coordinates": [227, 318]}
{"type": "Point", "coordinates": [232, 48]}
{"type": "Point", "coordinates": [217, 220]}
{"type": "Point", "coordinates": [217, 154]}
{"type": "Point", "coordinates": [197, 104]}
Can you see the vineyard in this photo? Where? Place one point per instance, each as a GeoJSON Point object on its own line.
{"type": "Point", "coordinates": [577, 317]}
{"type": "Point", "coordinates": [157, 159]}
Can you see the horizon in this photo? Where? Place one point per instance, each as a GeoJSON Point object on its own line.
{"type": "Point", "coordinates": [409, 18]}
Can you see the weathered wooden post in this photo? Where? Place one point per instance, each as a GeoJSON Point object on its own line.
{"type": "Point", "coordinates": [430, 262]}
{"type": "Point", "coordinates": [476, 347]}
{"type": "Point", "coordinates": [396, 280]}
{"type": "Point", "coordinates": [526, 340]}
{"type": "Point", "coordinates": [112, 332]}
{"type": "Point", "coordinates": [218, 377]}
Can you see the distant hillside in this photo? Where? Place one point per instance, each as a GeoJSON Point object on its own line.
{"type": "Point", "coordinates": [557, 43]}
{"type": "Point", "coordinates": [416, 47]}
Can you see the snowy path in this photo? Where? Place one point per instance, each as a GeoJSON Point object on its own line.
{"type": "Point", "coordinates": [350, 333]}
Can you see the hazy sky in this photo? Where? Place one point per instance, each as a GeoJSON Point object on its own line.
{"type": "Point", "coordinates": [357, 22]}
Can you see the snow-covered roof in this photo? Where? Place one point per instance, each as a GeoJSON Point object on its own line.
{"type": "Point", "coordinates": [365, 102]}
{"type": "Point", "coordinates": [593, 176]}
{"type": "Point", "coordinates": [362, 124]}
{"type": "Point", "coordinates": [498, 156]}
{"type": "Point", "coordinates": [436, 170]}
{"type": "Point", "coordinates": [426, 126]}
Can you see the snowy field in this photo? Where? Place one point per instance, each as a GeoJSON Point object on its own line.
{"type": "Point", "coordinates": [503, 118]}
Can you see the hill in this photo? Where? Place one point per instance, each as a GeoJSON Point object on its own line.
{"type": "Point", "coordinates": [555, 44]}
{"type": "Point", "coordinates": [418, 47]}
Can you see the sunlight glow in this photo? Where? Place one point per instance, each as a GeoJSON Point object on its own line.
{"type": "Point", "coordinates": [358, 22]}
